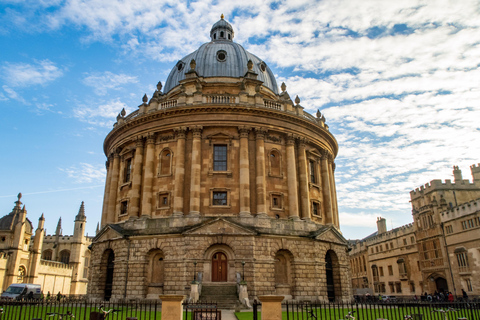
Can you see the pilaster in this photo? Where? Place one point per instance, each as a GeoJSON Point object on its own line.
{"type": "Point", "coordinates": [327, 200]}
{"type": "Point", "coordinates": [148, 176]}
{"type": "Point", "coordinates": [244, 172]}
{"type": "Point", "coordinates": [179, 171]}
{"type": "Point", "coordinates": [134, 208]}
{"type": "Point", "coordinates": [292, 178]}
{"type": "Point", "coordinates": [112, 199]}
{"type": "Point", "coordinates": [195, 171]}
{"type": "Point", "coordinates": [303, 175]}
{"type": "Point", "coordinates": [106, 196]}
{"type": "Point", "coordinates": [260, 170]}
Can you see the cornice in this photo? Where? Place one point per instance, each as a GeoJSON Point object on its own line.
{"type": "Point", "coordinates": [215, 109]}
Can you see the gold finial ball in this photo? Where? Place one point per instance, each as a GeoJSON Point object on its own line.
{"type": "Point", "coordinates": [222, 16]}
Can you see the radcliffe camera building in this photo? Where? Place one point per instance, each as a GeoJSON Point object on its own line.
{"type": "Point", "coordinates": [217, 177]}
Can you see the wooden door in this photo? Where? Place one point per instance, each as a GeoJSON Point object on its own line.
{"type": "Point", "coordinates": [219, 267]}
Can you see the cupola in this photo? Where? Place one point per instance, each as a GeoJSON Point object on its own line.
{"type": "Point", "coordinates": [221, 30]}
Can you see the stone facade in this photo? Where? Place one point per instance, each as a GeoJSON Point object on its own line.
{"type": "Point", "coordinates": [439, 250]}
{"type": "Point", "coordinates": [58, 263]}
{"type": "Point", "coordinates": [218, 170]}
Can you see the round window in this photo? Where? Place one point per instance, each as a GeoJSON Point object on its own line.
{"type": "Point", "coordinates": [263, 66]}
{"type": "Point", "coordinates": [221, 55]}
{"type": "Point", "coordinates": [180, 65]}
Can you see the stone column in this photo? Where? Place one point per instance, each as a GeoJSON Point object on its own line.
{"type": "Point", "coordinates": [244, 172]}
{"type": "Point", "coordinates": [179, 172]}
{"type": "Point", "coordinates": [331, 167]}
{"type": "Point", "coordinates": [106, 195]}
{"type": "Point", "coordinates": [172, 308]}
{"type": "Point", "coordinates": [134, 207]}
{"type": "Point", "coordinates": [271, 307]}
{"type": "Point", "coordinates": [148, 176]}
{"type": "Point", "coordinates": [303, 175]}
{"type": "Point", "coordinates": [195, 171]}
{"type": "Point", "coordinates": [112, 200]}
{"type": "Point", "coordinates": [260, 166]}
{"type": "Point", "coordinates": [292, 179]}
{"type": "Point", "coordinates": [327, 200]}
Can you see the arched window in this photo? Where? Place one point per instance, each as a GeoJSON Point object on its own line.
{"type": "Point", "coordinates": [275, 162]}
{"type": "Point", "coordinates": [281, 269]}
{"type": "Point", "coordinates": [47, 255]}
{"type": "Point", "coordinates": [222, 34]}
{"type": "Point", "coordinates": [156, 267]}
{"type": "Point", "coordinates": [332, 269]}
{"type": "Point", "coordinates": [165, 162]}
{"type": "Point", "coordinates": [22, 272]}
{"type": "Point", "coordinates": [65, 256]}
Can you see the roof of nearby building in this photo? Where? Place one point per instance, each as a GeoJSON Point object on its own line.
{"type": "Point", "coordinates": [211, 63]}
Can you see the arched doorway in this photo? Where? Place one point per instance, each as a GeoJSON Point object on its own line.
{"type": "Point", "coordinates": [219, 267]}
{"type": "Point", "coordinates": [441, 284]}
{"type": "Point", "coordinates": [109, 277]}
{"type": "Point", "coordinates": [332, 270]}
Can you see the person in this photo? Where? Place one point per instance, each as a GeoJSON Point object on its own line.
{"type": "Point", "coordinates": [465, 295]}
{"type": "Point", "coordinates": [380, 298]}
{"type": "Point", "coordinates": [30, 295]}
{"type": "Point", "coordinates": [59, 296]}
{"type": "Point", "coordinates": [48, 295]}
{"type": "Point", "coordinates": [450, 297]}
{"type": "Point", "coordinates": [415, 298]}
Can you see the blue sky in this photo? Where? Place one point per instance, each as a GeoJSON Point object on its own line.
{"type": "Point", "coordinates": [397, 81]}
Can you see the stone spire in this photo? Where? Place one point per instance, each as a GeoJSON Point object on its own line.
{"type": "Point", "coordinates": [98, 228]}
{"type": "Point", "coordinates": [81, 213]}
{"type": "Point", "coordinates": [58, 232]}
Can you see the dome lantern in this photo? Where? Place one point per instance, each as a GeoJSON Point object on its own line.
{"type": "Point", "coordinates": [221, 30]}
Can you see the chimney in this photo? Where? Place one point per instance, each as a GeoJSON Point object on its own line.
{"type": "Point", "coordinates": [381, 225]}
{"type": "Point", "coordinates": [475, 173]}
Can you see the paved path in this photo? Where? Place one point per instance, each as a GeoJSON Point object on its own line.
{"type": "Point", "coordinates": [228, 315]}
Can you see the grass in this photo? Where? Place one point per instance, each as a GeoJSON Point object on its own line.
{"type": "Point", "coordinates": [367, 314]}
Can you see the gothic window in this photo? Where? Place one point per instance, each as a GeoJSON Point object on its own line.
{"type": "Point", "coordinates": [128, 170]}
{"type": "Point", "coordinates": [165, 163]}
{"type": "Point", "coordinates": [65, 256]}
{"type": "Point", "coordinates": [220, 157]}
{"type": "Point", "coordinates": [47, 255]}
{"type": "Point", "coordinates": [275, 163]}
{"type": "Point", "coordinates": [462, 259]}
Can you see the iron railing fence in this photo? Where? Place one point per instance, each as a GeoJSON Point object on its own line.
{"type": "Point", "coordinates": [201, 311]}
{"type": "Point", "coordinates": [295, 310]}
{"type": "Point", "coordinates": [79, 309]}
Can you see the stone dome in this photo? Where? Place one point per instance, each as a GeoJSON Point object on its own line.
{"type": "Point", "coordinates": [221, 57]}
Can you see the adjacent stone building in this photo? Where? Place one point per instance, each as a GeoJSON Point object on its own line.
{"type": "Point", "coordinates": [58, 263]}
{"type": "Point", "coordinates": [439, 252]}
{"type": "Point", "coordinates": [220, 176]}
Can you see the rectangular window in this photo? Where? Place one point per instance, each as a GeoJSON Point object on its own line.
{"type": "Point", "coordinates": [462, 259]}
{"type": "Point", "coordinates": [128, 170]}
{"type": "Point", "coordinates": [85, 268]}
{"type": "Point", "coordinates": [449, 229]}
{"type": "Point", "coordinates": [276, 201]}
{"type": "Point", "coordinates": [412, 240]}
{"type": "Point", "coordinates": [391, 245]}
{"type": "Point", "coordinates": [219, 198]}
{"type": "Point", "coordinates": [398, 286]}
{"type": "Point", "coordinates": [404, 242]}
{"type": "Point", "coordinates": [123, 207]}
{"type": "Point", "coordinates": [386, 246]}
{"type": "Point", "coordinates": [392, 288]}
{"type": "Point", "coordinates": [390, 271]}
{"type": "Point", "coordinates": [469, 285]}
{"type": "Point", "coordinates": [412, 287]}
{"type": "Point", "coordinates": [315, 209]}
{"type": "Point", "coordinates": [381, 271]}
{"type": "Point", "coordinates": [313, 178]}
{"type": "Point", "coordinates": [220, 157]}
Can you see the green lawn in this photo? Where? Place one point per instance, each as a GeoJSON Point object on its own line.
{"type": "Point", "coordinates": [368, 314]}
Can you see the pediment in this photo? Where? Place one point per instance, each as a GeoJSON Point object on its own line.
{"type": "Point", "coordinates": [330, 234]}
{"type": "Point", "coordinates": [219, 136]}
{"type": "Point", "coordinates": [107, 233]}
{"type": "Point", "coordinates": [220, 226]}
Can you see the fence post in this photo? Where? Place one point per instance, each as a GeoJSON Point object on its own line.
{"type": "Point", "coordinates": [172, 308]}
{"type": "Point", "coordinates": [271, 307]}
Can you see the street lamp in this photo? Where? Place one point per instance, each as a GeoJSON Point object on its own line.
{"type": "Point", "coordinates": [243, 273]}
{"type": "Point", "coordinates": [194, 271]}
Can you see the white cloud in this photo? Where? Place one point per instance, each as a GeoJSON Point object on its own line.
{"type": "Point", "coordinates": [86, 173]}
{"type": "Point", "coordinates": [25, 74]}
{"type": "Point", "coordinates": [108, 80]}
{"type": "Point", "coordinates": [12, 94]}
{"type": "Point", "coordinates": [102, 115]}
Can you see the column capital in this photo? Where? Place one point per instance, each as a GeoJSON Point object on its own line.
{"type": "Point", "coordinates": [302, 142]}
{"type": "Point", "coordinates": [260, 133]}
{"type": "Point", "coordinates": [180, 132]}
{"type": "Point", "coordinates": [333, 166]}
{"type": "Point", "coordinates": [290, 138]}
{"type": "Point", "coordinates": [138, 141]}
{"type": "Point", "coordinates": [243, 131]}
{"type": "Point", "coordinates": [150, 138]}
{"type": "Point", "coordinates": [107, 164]}
{"type": "Point", "coordinates": [197, 131]}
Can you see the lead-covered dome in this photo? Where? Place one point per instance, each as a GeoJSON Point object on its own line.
{"type": "Point", "coordinates": [221, 57]}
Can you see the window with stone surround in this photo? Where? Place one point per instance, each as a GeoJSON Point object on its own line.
{"type": "Point", "coordinates": [124, 207]}
{"type": "Point", "coordinates": [165, 163]}
{"type": "Point", "coordinates": [276, 201]}
{"type": "Point", "coordinates": [462, 259]}
{"type": "Point", "coordinates": [65, 256]}
{"type": "Point", "coordinates": [220, 197]}
{"type": "Point", "coordinates": [22, 272]}
{"type": "Point", "coordinates": [163, 200]}
{"type": "Point", "coordinates": [155, 267]}
{"type": "Point", "coordinates": [316, 209]}
{"type": "Point", "coordinates": [275, 164]}
{"type": "Point", "coordinates": [220, 157]}
{"type": "Point", "coordinates": [390, 270]}
{"type": "Point", "coordinates": [468, 282]}
{"type": "Point", "coordinates": [127, 170]}
{"type": "Point", "coordinates": [312, 171]}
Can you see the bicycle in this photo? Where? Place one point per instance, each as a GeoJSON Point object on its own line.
{"type": "Point", "coordinates": [445, 311]}
{"type": "Point", "coordinates": [61, 315]}
{"type": "Point", "coordinates": [349, 315]}
{"type": "Point", "coordinates": [107, 312]}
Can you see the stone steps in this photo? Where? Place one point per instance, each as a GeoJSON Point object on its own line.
{"type": "Point", "coordinates": [225, 295]}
